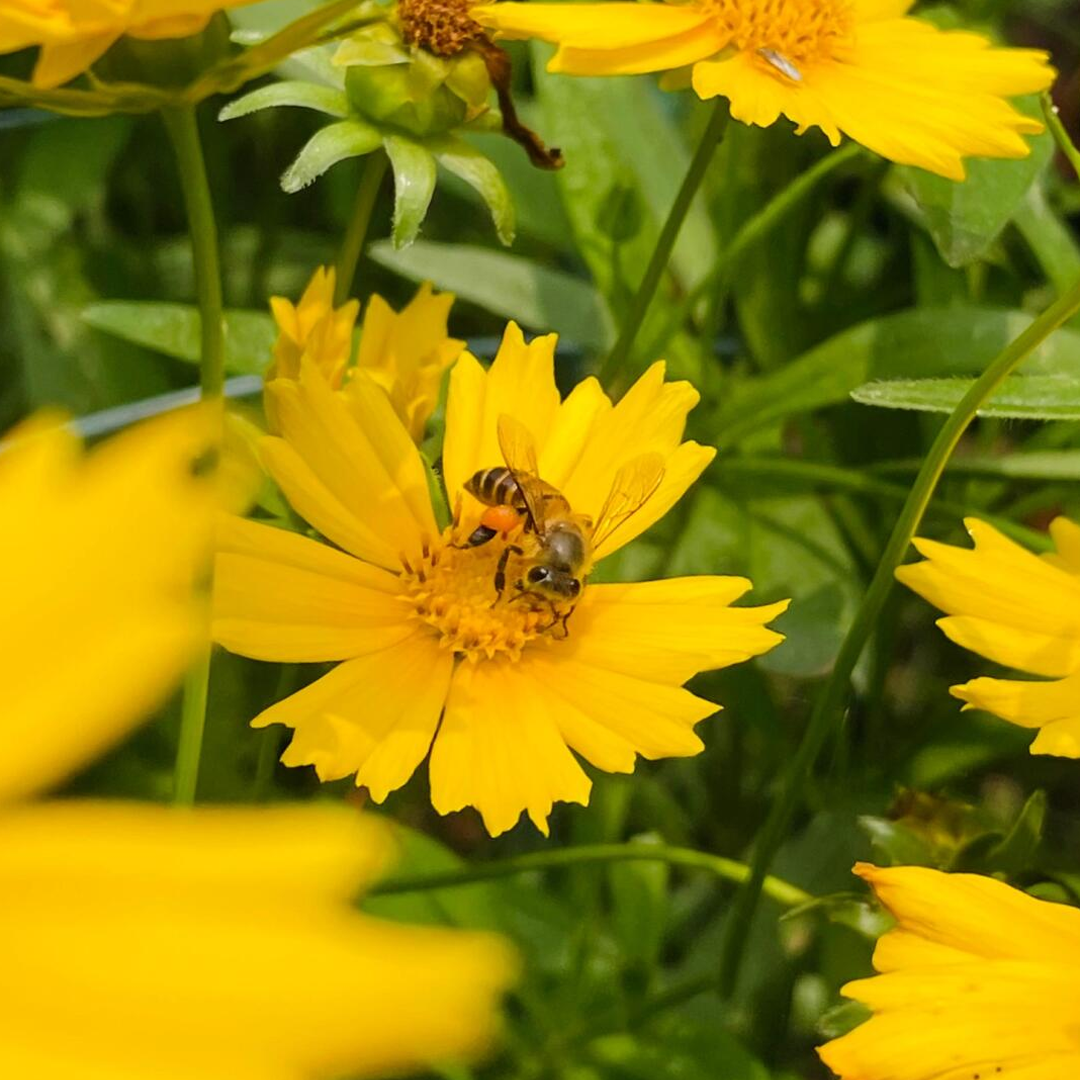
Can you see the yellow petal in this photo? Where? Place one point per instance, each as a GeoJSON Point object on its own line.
{"type": "Point", "coordinates": [590, 26]}
{"type": "Point", "coordinates": [100, 557]}
{"type": "Point", "coordinates": [1052, 706]}
{"type": "Point", "coordinates": [924, 97]}
{"type": "Point", "coordinates": [499, 749]}
{"type": "Point", "coordinates": [520, 383]}
{"type": "Point", "coordinates": [667, 631]}
{"type": "Point", "coordinates": [352, 472]}
{"type": "Point", "coordinates": [974, 914]}
{"type": "Point", "coordinates": [219, 945]}
{"type": "Point", "coordinates": [279, 596]}
{"type": "Point", "coordinates": [608, 716]}
{"type": "Point", "coordinates": [662, 54]}
{"type": "Point", "coordinates": [60, 62]}
{"type": "Point", "coordinates": [374, 716]}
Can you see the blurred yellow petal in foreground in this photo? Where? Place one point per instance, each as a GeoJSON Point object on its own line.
{"type": "Point", "coordinates": [1018, 609]}
{"type": "Point", "coordinates": [146, 943]}
{"type": "Point", "coordinates": [100, 555]}
{"type": "Point", "coordinates": [977, 980]}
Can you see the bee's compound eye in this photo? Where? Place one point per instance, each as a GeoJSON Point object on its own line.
{"type": "Point", "coordinates": [538, 574]}
{"type": "Point", "coordinates": [575, 587]}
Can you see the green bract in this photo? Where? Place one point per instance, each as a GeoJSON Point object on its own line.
{"type": "Point", "coordinates": [387, 95]}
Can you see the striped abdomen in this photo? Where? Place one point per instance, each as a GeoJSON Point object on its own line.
{"type": "Point", "coordinates": [500, 487]}
{"type": "Point", "coordinates": [496, 487]}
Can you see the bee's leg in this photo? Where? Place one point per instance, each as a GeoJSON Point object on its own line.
{"type": "Point", "coordinates": [500, 570]}
{"type": "Point", "coordinates": [456, 520]}
{"type": "Point", "coordinates": [479, 536]}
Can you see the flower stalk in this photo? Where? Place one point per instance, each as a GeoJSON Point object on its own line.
{"type": "Point", "coordinates": [828, 711]}
{"type": "Point", "coordinates": [711, 138]}
{"type": "Point", "coordinates": [352, 245]}
{"type": "Point", "coordinates": [782, 892]}
{"type": "Point", "coordinates": [182, 126]}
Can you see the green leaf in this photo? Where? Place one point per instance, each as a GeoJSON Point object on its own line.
{"type": "Point", "coordinates": [482, 176]}
{"type": "Point", "coordinates": [618, 137]}
{"type": "Point", "coordinates": [414, 185]}
{"type": "Point", "coordinates": [1018, 848]}
{"type": "Point", "coordinates": [1049, 238]}
{"type": "Point", "coordinates": [507, 285]}
{"type": "Point", "coordinates": [966, 218]}
{"type": "Point", "coordinates": [639, 892]}
{"type": "Point", "coordinates": [920, 343]}
{"type": "Point", "coordinates": [303, 95]}
{"type": "Point", "coordinates": [174, 329]}
{"type": "Point", "coordinates": [338, 142]}
{"type": "Point", "coordinates": [1021, 397]}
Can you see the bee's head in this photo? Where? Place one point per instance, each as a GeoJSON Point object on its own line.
{"type": "Point", "coordinates": [553, 583]}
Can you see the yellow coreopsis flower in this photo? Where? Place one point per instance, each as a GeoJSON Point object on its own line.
{"type": "Point", "coordinates": [978, 980]}
{"type": "Point", "coordinates": [73, 34]}
{"type": "Point", "coordinates": [500, 684]}
{"type": "Point", "coordinates": [150, 943]}
{"type": "Point", "coordinates": [908, 91]}
{"type": "Point", "coordinates": [405, 352]}
{"type": "Point", "coordinates": [1017, 609]}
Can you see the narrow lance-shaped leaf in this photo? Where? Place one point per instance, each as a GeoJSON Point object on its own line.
{"type": "Point", "coordinates": [1021, 397]}
{"type": "Point", "coordinates": [483, 176]}
{"type": "Point", "coordinates": [414, 185]}
{"type": "Point", "coordinates": [303, 95]}
{"type": "Point", "coordinates": [338, 142]}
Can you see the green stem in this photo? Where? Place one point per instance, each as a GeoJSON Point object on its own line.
{"type": "Point", "coordinates": [183, 130]}
{"type": "Point", "coordinates": [182, 126]}
{"type": "Point", "coordinates": [352, 244]}
{"type": "Point", "coordinates": [1061, 136]}
{"type": "Point", "coordinates": [711, 138]}
{"type": "Point", "coordinates": [781, 891]}
{"type": "Point", "coordinates": [755, 229]}
{"type": "Point", "coordinates": [828, 710]}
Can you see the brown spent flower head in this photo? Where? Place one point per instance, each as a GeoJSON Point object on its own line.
{"type": "Point", "coordinates": [446, 28]}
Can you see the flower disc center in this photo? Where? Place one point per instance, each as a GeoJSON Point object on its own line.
{"type": "Point", "coordinates": [786, 34]}
{"type": "Point", "coordinates": [452, 588]}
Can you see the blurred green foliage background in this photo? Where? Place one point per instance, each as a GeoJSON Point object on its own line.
{"type": "Point", "coordinates": [871, 272]}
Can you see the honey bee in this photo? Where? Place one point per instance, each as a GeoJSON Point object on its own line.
{"type": "Point", "coordinates": [515, 494]}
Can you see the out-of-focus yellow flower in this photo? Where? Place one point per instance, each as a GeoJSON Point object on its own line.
{"type": "Point", "coordinates": [408, 352]}
{"type": "Point", "coordinates": [898, 85]}
{"type": "Point", "coordinates": [314, 327]}
{"type": "Point", "coordinates": [73, 34]}
{"type": "Point", "coordinates": [145, 943]}
{"type": "Point", "coordinates": [405, 352]}
{"type": "Point", "coordinates": [100, 556]}
{"type": "Point", "coordinates": [500, 686]}
{"type": "Point", "coordinates": [978, 980]}
{"type": "Point", "coordinates": [1017, 609]}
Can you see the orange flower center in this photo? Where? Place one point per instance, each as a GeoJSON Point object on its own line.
{"type": "Point", "coordinates": [786, 34]}
{"type": "Point", "coordinates": [453, 589]}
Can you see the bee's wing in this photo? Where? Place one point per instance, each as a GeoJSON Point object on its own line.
{"type": "Point", "coordinates": [633, 486]}
{"type": "Point", "coordinates": [519, 452]}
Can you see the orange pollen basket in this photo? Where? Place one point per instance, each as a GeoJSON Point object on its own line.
{"type": "Point", "coordinates": [451, 588]}
{"type": "Point", "coordinates": [785, 35]}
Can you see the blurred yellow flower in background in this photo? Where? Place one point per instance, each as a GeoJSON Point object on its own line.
{"type": "Point", "coordinates": [433, 656]}
{"type": "Point", "coordinates": [1017, 609]}
{"type": "Point", "coordinates": [405, 352]}
{"type": "Point", "coordinates": [150, 943]}
{"type": "Point", "coordinates": [901, 87]}
{"type": "Point", "coordinates": [73, 34]}
{"type": "Point", "coordinates": [978, 979]}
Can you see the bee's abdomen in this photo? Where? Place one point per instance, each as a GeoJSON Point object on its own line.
{"type": "Point", "coordinates": [495, 487]}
